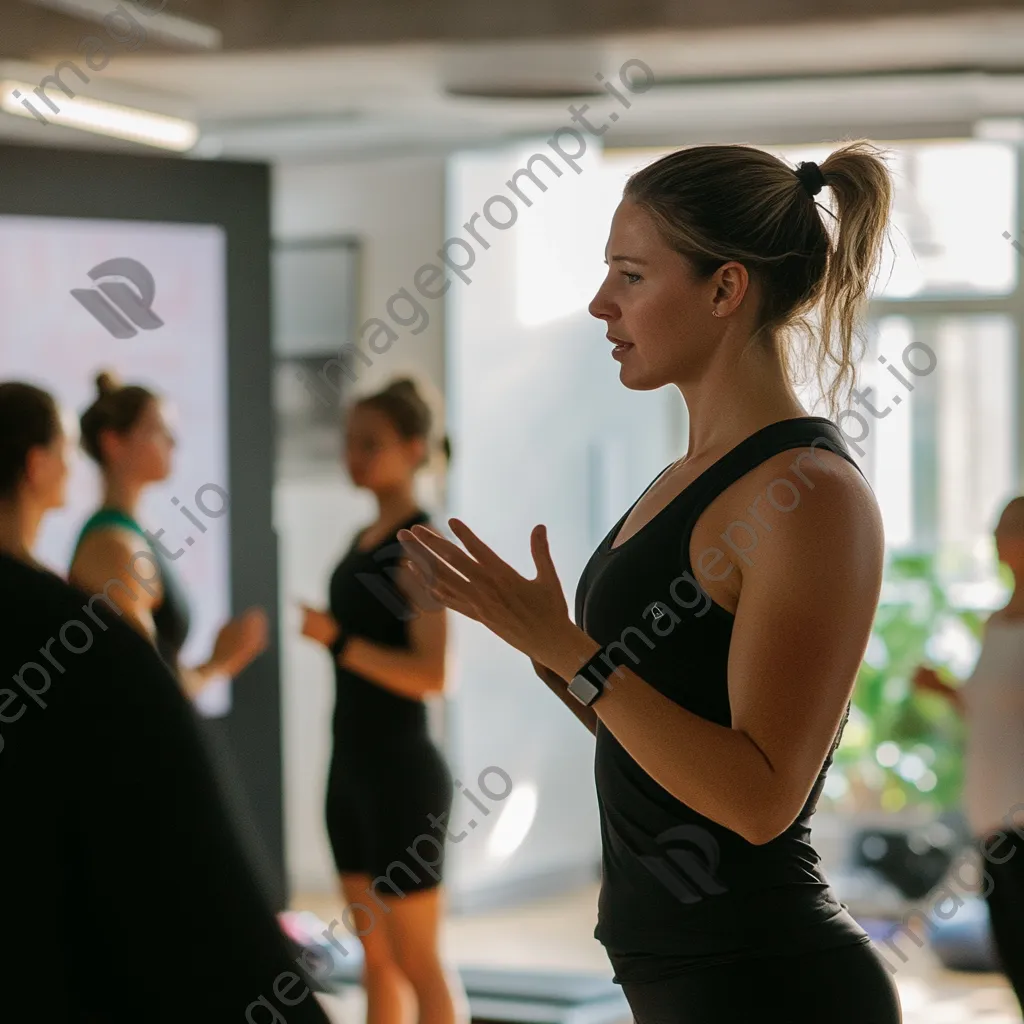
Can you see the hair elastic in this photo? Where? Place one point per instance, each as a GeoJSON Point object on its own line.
{"type": "Point", "coordinates": [811, 177]}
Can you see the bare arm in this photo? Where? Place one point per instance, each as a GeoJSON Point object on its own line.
{"type": "Point", "coordinates": [115, 566]}
{"type": "Point", "coordinates": [802, 624]}
{"type": "Point", "coordinates": [558, 686]}
{"type": "Point", "coordinates": [118, 569]}
{"type": "Point", "coordinates": [417, 672]}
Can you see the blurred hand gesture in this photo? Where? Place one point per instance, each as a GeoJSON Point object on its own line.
{"type": "Point", "coordinates": [319, 626]}
{"type": "Point", "coordinates": [241, 641]}
{"type": "Point", "coordinates": [927, 679]}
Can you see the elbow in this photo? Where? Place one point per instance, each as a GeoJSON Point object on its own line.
{"type": "Point", "coordinates": [760, 834]}
{"type": "Point", "coordinates": [760, 828]}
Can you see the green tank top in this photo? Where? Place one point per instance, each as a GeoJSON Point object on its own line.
{"type": "Point", "coordinates": [171, 616]}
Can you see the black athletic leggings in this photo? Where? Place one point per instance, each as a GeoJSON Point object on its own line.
{"type": "Point", "coordinates": [849, 985]}
{"type": "Point", "coordinates": [1006, 907]}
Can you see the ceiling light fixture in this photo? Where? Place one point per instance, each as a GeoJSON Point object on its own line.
{"type": "Point", "coordinates": [103, 118]}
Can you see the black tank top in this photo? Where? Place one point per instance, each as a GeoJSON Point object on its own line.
{"type": "Point", "coordinates": [366, 602]}
{"type": "Point", "coordinates": [171, 617]}
{"type": "Point", "coordinates": [678, 889]}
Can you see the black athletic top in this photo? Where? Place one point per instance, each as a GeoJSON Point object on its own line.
{"type": "Point", "coordinates": [171, 617]}
{"type": "Point", "coordinates": [126, 895]}
{"type": "Point", "coordinates": [367, 603]}
{"type": "Point", "coordinates": [716, 897]}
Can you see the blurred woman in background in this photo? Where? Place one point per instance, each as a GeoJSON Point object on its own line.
{"type": "Point", "coordinates": [33, 466]}
{"type": "Point", "coordinates": [992, 703]}
{"type": "Point", "coordinates": [387, 778]}
{"type": "Point", "coordinates": [126, 433]}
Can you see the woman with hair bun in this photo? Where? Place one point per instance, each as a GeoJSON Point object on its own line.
{"type": "Point", "coordinates": [127, 435]}
{"type": "Point", "coordinates": [746, 577]}
{"type": "Point", "coordinates": [33, 466]}
{"type": "Point", "coordinates": [388, 782]}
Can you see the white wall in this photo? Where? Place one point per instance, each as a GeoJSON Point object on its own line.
{"type": "Point", "coordinates": [396, 207]}
{"type": "Point", "coordinates": [542, 432]}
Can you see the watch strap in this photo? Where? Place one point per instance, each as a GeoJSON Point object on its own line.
{"type": "Point", "coordinates": [591, 678]}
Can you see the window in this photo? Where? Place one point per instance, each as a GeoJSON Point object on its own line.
{"type": "Point", "coordinates": [935, 428]}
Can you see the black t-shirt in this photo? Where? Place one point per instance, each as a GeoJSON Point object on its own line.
{"type": "Point", "coordinates": [125, 894]}
{"type": "Point", "coordinates": [366, 602]}
{"type": "Point", "coordinates": [678, 889]}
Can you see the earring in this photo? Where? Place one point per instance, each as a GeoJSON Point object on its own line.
{"type": "Point", "coordinates": [715, 312]}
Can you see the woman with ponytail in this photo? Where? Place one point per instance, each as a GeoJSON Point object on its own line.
{"type": "Point", "coordinates": [388, 784]}
{"type": "Point", "coordinates": [741, 585]}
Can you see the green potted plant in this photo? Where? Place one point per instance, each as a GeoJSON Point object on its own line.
{"type": "Point", "coordinates": [903, 750]}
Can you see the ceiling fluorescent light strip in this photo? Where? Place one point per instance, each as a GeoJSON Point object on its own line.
{"type": "Point", "coordinates": [103, 118]}
{"type": "Point", "coordinates": [170, 27]}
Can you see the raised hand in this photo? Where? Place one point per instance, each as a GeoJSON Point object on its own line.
{"type": "Point", "coordinates": [531, 615]}
{"type": "Point", "coordinates": [240, 641]}
{"type": "Point", "coordinates": [319, 626]}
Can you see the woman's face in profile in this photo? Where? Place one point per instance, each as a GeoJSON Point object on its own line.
{"type": "Point", "coordinates": [660, 309]}
{"type": "Point", "coordinates": [145, 451]}
{"type": "Point", "coordinates": [653, 303]}
{"type": "Point", "coordinates": [49, 467]}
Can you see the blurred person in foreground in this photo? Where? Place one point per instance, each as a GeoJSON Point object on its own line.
{"type": "Point", "coordinates": [125, 894]}
{"type": "Point", "coordinates": [991, 701]}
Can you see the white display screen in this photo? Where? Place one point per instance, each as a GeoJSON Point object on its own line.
{"type": "Point", "coordinates": [51, 338]}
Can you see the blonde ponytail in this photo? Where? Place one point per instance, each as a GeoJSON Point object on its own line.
{"type": "Point", "coordinates": [862, 194]}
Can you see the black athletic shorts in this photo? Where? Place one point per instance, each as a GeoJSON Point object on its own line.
{"type": "Point", "coordinates": [379, 811]}
{"type": "Point", "coordinates": [848, 985]}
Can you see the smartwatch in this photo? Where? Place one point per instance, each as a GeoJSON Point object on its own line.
{"type": "Point", "coordinates": [589, 682]}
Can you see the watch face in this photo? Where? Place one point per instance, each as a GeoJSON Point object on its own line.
{"type": "Point", "coordinates": [583, 689]}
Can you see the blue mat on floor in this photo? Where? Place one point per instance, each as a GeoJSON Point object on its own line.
{"type": "Point", "coordinates": [543, 997]}
{"type": "Point", "coordinates": [962, 943]}
{"type": "Point", "coordinates": [504, 995]}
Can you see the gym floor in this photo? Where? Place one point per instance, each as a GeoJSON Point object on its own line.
{"type": "Point", "coordinates": [557, 933]}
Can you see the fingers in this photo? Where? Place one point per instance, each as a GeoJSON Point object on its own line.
{"type": "Point", "coordinates": [444, 594]}
{"type": "Point", "coordinates": [414, 584]}
{"type": "Point", "coordinates": [443, 548]}
{"type": "Point", "coordinates": [475, 546]}
{"type": "Point", "coordinates": [442, 567]}
{"type": "Point", "coordinates": [546, 570]}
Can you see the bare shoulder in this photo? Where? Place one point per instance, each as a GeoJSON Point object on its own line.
{"type": "Point", "coordinates": [110, 547]}
{"type": "Point", "coordinates": [821, 505]}
{"type": "Point", "coordinates": [109, 554]}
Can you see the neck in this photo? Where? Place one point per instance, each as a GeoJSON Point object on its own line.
{"type": "Point", "coordinates": [122, 495]}
{"type": "Point", "coordinates": [19, 525]}
{"type": "Point", "coordinates": [735, 396]}
{"type": "Point", "coordinates": [397, 504]}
